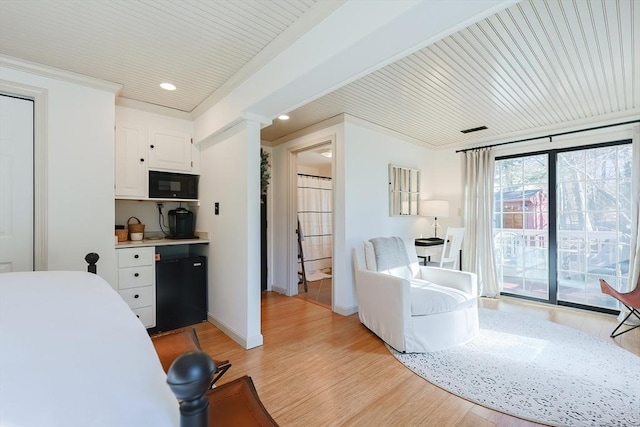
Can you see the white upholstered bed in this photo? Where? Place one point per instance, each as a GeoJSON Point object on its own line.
{"type": "Point", "coordinates": [72, 353]}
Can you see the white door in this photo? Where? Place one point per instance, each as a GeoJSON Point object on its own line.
{"type": "Point", "coordinates": [16, 184]}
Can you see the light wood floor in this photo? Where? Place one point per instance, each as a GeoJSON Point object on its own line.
{"type": "Point", "coordinates": [317, 368]}
{"type": "Point", "coordinates": [318, 291]}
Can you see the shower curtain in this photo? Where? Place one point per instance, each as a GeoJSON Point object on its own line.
{"type": "Point", "coordinates": [315, 216]}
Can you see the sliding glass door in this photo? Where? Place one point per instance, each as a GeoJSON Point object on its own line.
{"type": "Point", "coordinates": [562, 222]}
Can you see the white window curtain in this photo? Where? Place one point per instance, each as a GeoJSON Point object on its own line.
{"type": "Point", "coordinates": [478, 167]}
{"type": "Point", "coordinates": [314, 213]}
{"type": "Point", "coordinates": [634, 254]}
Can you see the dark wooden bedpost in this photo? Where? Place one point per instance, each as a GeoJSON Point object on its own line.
{"type": "Point", "coordinates": [92, 258]}
{"type": "Point", "coordinates": [189, 377]}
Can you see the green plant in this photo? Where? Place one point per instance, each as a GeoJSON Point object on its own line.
{"type": "Point", "coordinates": [265, 173]}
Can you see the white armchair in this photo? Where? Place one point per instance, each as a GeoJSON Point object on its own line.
{"type": "Point", "coordinates": [413, 308]}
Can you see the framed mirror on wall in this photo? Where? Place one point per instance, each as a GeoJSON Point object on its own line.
{"type": "Point", "coordinates": [404, 191]}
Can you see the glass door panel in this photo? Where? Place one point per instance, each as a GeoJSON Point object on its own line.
{"type": "Point", "coordinates": [593, 222]}
{"type": "Point", "coordinates": [520, 225]}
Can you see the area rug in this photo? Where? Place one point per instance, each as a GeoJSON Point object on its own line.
{"type": "Point", "coordinates": [538, 370]}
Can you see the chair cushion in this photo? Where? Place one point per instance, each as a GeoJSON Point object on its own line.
{"type": "Point", "coordinates": [428, 298]}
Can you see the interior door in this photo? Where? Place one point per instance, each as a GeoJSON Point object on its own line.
{"type": "Point", "coordinates": [16, 184]}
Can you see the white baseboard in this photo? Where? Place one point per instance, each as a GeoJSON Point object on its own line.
{"type": "Point", "coordinates": [246, 343]}
{"type": "Point", "coordinates": [279, 290]}
{"type": "Point", "coordinates": [345, 311]}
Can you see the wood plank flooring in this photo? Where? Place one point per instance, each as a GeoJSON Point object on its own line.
{"type": "Point", "coordinates": [318, 291]}
{"type": "Point", "coordinates": [317, 368]}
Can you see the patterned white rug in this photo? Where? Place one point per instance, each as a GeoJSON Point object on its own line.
{"type": "Point", "coordinates": [539, 371]}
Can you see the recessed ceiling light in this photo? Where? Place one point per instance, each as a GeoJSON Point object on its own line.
{"type": "Point", "coordinates": [167, 86]}
{"type": "Point", "coordinates": [283, 117]}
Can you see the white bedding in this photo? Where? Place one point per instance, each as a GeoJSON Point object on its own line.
{"type": "Point", "coordinates": [72, 353]}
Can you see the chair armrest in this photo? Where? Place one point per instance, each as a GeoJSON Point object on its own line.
{"type": "Point", "coordinates": [384, 305]}
{"type": "Point", "coordinates": [384, 291]}
{"type": "Point", "coordinates": [461, 280]}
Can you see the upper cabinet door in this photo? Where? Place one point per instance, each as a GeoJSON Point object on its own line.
{"type": "Point", "coordinates": [131, 160]}
{"type": "Point", "coordinates": [170, 150]}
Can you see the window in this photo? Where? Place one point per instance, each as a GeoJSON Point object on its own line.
{"type": "Point", "coordinates": [562, 222]}
{"type": "Point", "coordinates": [404, 191]}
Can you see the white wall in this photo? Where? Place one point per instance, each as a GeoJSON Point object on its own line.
{"type": "Point", "coordinates": [147, 212]}
{"type": "Point", "coordinates": [230, 175]}
{"type": "Point", "coordinates": [443, 181]}
{"type": "Point", "coordinates": [80, 161]}
{"type": "Point", "coordinates": [368, 151]}
{"type": "Point", "coordinates": [361, 202]}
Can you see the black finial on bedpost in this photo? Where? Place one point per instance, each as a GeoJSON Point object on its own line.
{"type": "Point", "coordinates": [190, 377]}
{"type": "Point", "coordinates": [92, 258]}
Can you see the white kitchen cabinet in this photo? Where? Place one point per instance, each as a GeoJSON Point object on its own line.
{"type": "Point", "coordinates": [137, 282]}
{"type": "Point", "coordinates": [170, 150]}
{"type": "Point", "coordinates": [131, 160]}
{"type": "Point", "coordinates": [149, 141]}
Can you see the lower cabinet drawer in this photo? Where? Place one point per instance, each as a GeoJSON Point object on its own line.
{"type": "Point", "coordinates": [131, 257]}
{"type": "Point", "coordinates": [138, 297]}
{"type": "Point", "coordinates": [135, 276]}
{"type": "Point", "coordinates": [145, 314]}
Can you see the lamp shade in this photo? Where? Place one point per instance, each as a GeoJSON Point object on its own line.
{"type": "Point", "coordinates": [435, 208]}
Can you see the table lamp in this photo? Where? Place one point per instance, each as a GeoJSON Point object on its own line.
{"type": "Point", "coordinates": [435, 209]}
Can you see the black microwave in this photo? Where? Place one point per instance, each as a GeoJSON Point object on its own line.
{"type": "Point", "coordinates": [168, 185]}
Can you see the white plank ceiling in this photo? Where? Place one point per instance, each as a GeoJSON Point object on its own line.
{"type": "Point", "coordinates": [197, 45]}
{"type": "Point", "coordinates": [536, 64]}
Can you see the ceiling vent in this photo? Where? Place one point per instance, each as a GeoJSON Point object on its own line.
{"type": "Point", "coordinates": [474, 129]}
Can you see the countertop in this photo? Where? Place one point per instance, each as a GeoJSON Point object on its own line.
{"type": "Point", "coordinates": [159, 242]}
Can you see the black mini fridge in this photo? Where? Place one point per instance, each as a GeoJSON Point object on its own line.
{"type": "Point", "coordinates": [181, 292]}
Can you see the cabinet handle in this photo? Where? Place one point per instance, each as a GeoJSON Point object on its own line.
{"type": "Point", "coordinates": [141, 160]}
{"type": "Point", "coordinates": [136, 256]}
{"type": "Point", "coordinates": [138, 315]}
{"type": "Point", "coordinates": [136, 274]}
{"type": "Point", "coordinates": [136, 296]}
{"type": "Point", "coordinates": [152, 146]}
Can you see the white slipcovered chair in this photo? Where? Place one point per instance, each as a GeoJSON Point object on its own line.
{"type": "Point", "coordinates": [413, 308]}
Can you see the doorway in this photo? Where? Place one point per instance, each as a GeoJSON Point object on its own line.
{"type": "Point", "coordinates": [16, 184]}
{"type": "Point", "coordinates": [314, 232]}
